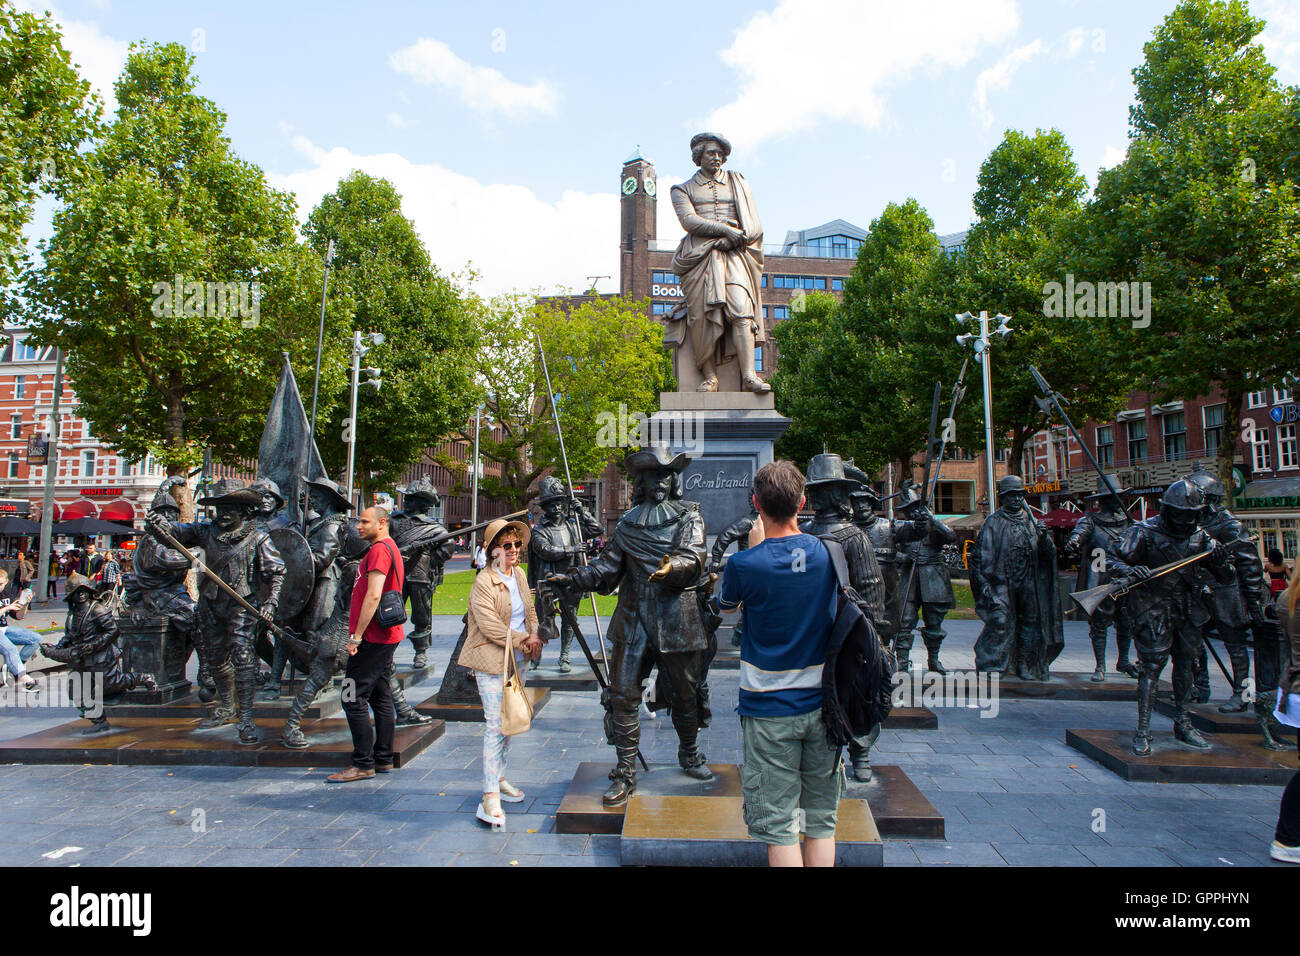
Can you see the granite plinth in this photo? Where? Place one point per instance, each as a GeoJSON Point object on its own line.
{"type": "Point", "coordinates": [578, 679]}
{"type": "Point", "coordinates": [473, 711]}
{"type": "Point", "coordinates": [1070, 686]}
{"type": "Point", "coordinates": [711, 831]}
{"type": "Point", "coordinates": [162, 741]}
{"type": "Point", "coordinates": [1231, 758]}
{"type": "Point", "coordinates": [1206, 717]}
{"type": "Point", "coordinates": [897, 806]}
{"type": "Point", "coordinates": [326, 704]}
{"type": "Point", "coordinates": [911, 718]}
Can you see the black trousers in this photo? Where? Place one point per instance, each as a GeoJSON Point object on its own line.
{"type": "Point", "coordinates": [1288, 817]}
{"type": "Point", "coordinates": [369, 691]}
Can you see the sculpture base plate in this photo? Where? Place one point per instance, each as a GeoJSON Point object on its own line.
{"type": "Point", "coordinates": [898, 807]}
{"type": "Point", "coordinates": [579, 679]}
{"type": "Point", "coordinates": [911, 718]}
{"type": "Point", "coordinates": [1231, 758]}
{"type": "Point", "coordinates": [473, 712]}
{"type": "Point", "coordinates": [710, 831]}
{"type": "Point", "coordinates": [1206, 717]}
{"type": "Point", "coordinates": [327, 704]}
{"type": "Point", "coordinates": [1068, 685]}
{"type": "Point", "coordinates": [178, 741]}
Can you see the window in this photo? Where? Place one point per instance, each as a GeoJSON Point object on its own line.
{"type": "Point", "coordinates": [763, 281]}
{"type": "Point", "coordinates": [1174, 426]}
{"type": "Point", "coordinates": [1256, 400]}
{"type": "Point", "coordinates": [798, 282]}
{"type": "Point", "coordinates": [88, 464]}
{"type": "Point", "coordinates": [834, 247]}
{"type": "Point", "coordinates": [13, 464]}
{"type": "Point", "coordinates": [1262, 452]}
{"type": "Point", "coordinates": [1281, 395]}
{"type": "Point", "coordinates": [662, 308]}
{"type": "Point", "coordinates": [758, 358]}
{"type": "Point", "coordinates": [1286, 447]}
{"type": "Point", "coordinates": [22, 351]}
{"type": "Point", "coordinates": [1212, 416]}
{"type": "Point", "coordinates": [128, 469]}
{"type": "Point", "coordinates": [16, 425]}
{"type": "Point", "coordinates": [20, 386]}
{"type": "Point", "coordinates": [954, 497]}
{"type": "Point", "coordinates": [665, 278]}
{"type": "Point", "coordinates": [1106, 446]}
{"type": "Point", "coordinates": [1137, 440]}
{"type": "Point", "coordinates": [780, 312]}
{"type": "Point", "coordinates": [837, 285]}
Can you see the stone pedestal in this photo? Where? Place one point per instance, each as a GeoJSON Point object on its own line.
{"type": "Point", "coordinates": [729, 436]}
{"type": "Point", "coordinates": [154, 645]}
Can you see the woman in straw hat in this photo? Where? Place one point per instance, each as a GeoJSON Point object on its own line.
{"type": "Point", "coordinates": [501, 615]}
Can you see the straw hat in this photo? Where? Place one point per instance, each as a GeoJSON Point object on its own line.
{"type": "Point", "coordinates": [494, 530]}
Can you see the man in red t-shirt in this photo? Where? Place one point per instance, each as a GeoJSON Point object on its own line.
{"type": "Point", "coordinates": [371, 647]}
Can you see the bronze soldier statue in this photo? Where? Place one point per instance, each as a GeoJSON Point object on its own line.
{"type": "Point", "coordinates": [1167, 612]}
{"type": "Point", "coordinates": [553, 548]}
{"type": "Point", "coordinates": [242, 554]}
{"type": "Point", "coordinates": [157, 585]}
{"type": "Point", "coordinates": [654, 556]}
{"type": "Point", "coordinates": [271, 513]}
{"type": "Point", "coordinates": [413, 529]}
{"type": "Point", "coordinates": [736, 533]}
{"type": "Point", "coordinates": [324, 621]}
{"type": "Point", "coordinates": [1092, 540]}
{"type": "Point", "coordinates": [1016, 594]}
{"type": "Point", "coordinates": [828, 489]}
{"type": "Point", "coordinates": [930, 596]}
{"type": "Point", "coordinates": [91, 647]}
{"type": "Point", "coordinates": [1237, 605]}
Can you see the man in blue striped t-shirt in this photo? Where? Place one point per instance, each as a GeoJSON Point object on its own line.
{"type": "Point", "coordinates": [787, 584]}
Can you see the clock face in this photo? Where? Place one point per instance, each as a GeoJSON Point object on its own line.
{"type": "Point", "coordinates": [649, 187]}
{"type": "Point", "coordinates": [629, 186]}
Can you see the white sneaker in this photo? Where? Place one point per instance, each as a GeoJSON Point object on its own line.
{"type": "Point", "coordinates": [1287, 854]}
{"type": "Point", "coordinates": [510, 793]}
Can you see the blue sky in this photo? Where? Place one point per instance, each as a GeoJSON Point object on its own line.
{"type": "Point", "coordinates": [504, 125]}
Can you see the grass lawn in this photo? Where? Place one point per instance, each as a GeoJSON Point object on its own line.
{"type": "Point", "coordinates": [453, 593]}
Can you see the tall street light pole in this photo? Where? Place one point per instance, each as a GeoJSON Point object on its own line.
{"type": "Point", "coordinates": [51, 466]}
{"type": "Point", "coordinates": [473, 504]}
{"type": "Point", "coordinates": [359, 348]}
{"type": "Point", "coordinates": [983, 355]}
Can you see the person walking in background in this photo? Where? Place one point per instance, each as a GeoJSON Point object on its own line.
{"type": "Point", "coordinates": [1278, 573]}
{"type": "Point", "coordinates": [24, 571]}
{"type": "Point", "coordinates": [370, 650]}
{"type": "Point", "coordinates": [52, 582]}
{"type": "Point", "coordinates": [502, 620]}
{"type": "Point", "coordinates": [790, 779]}
{"type": "Point", "coordinates": [1286, 838]}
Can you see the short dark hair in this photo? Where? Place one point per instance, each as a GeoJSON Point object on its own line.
{"type": "Point", "coordinates": [778, 486]}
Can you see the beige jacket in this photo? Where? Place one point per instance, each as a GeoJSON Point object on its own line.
{"type": "Point", "coordinates": [489, 621]}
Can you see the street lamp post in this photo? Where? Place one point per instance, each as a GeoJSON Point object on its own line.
{"type": "Point", "coordinates": [983, 354]}
{"type": "Point", "coordinates": [51, 466]}
{"type": "Point", "coordinates": [473, 504]}
{"type": "Point", "coordinates": [373, 378]}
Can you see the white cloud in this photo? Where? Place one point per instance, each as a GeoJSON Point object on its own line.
{"type": "Point", "coordinates": [432, 63]}
{"type": "Point", "coordinates": [796, 73]}
{"type": "Point", "coordinates": [516, 240]}
{"type": "Point", "coordinates": [1281, 38]}
{"type": "Point", "coordinates": [998, 78]}
{"type": "Point", "coordinates": [98, 56]}
{"type": "Point", "coordinates": [398, 121]}
{"type": "Point", "coordinates": [1112, 157]}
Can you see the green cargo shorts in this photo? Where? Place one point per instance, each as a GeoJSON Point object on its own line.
{"type": "Point", "coordinates": [790, 779]}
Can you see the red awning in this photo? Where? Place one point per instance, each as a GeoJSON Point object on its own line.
{"type": "Point", "coordinates": [1061, 518]}
{"type": "Point", "coordinates": [80, 509]}
{"type": "Point", "coordinates": [120, 510]}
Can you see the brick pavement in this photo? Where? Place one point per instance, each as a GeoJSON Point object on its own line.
{"type": "Point", "coordinates": [1011, 791]}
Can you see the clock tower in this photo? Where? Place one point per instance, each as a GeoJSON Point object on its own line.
{"type": "Point", "coordinates": [637, 198]}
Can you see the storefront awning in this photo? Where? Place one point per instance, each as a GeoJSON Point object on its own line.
{"type": "Point", "coordinates": [1270, 493]}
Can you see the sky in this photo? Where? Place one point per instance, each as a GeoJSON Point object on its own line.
{"type": "Point", "coordinates": [504, 126]}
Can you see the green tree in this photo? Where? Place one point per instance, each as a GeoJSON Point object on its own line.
{"type": "Point", "coordinates": [606, 361]}
{"type": "Point", "coordinates": [427, 358]}
{"type": "Point", "coordinates": [1205, 208]}
{"type": "Point", "coordinates": [46, 113]}
{"type": "Point", "coordinates": [164, 200]}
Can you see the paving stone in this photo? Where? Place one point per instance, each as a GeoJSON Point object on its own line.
{"type": "Point", "coordinates": [964, 854]}
{"type": "Point", "coordinates": [330, 858]}
{"type": "Point", "coordinates": [1125, 856]}
{"type": "Point", "coordinates": [498, 859]}
{"type": "Point", "coordinates": [248, 856]}
{"type": "Point", "coordinates": [1042, 854]}
{"type": "Point", "coordinates": [310, 838]}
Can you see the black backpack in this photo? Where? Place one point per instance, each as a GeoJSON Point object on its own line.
{"type": "Point", "coordinates": [858, 678]}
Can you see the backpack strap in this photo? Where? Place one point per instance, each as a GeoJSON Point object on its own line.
{"type": "Point", "coordinates": [838, 561]}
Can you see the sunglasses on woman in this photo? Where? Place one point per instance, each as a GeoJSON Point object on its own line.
{"type": "Point", "coordinates": [511, 544]}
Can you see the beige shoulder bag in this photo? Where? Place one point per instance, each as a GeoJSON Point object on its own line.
{"type": "Point", "coordinates": [516, 709]}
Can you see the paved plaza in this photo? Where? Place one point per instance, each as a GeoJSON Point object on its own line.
{"type": "Point", "coordinates": [1010, 789]}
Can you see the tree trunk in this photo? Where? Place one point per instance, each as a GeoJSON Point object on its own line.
{"type": "Point", "coordinates": [1232, 434]}
{"type": "Point", "coordinates": [173, 436]}
{"type": "Point", "coordinates": [1016, 453]}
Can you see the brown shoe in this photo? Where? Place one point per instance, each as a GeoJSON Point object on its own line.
{"type": "Point", "coordinates": [349, 775]}
{"type": "Point", "coordinates": [383, 768]}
